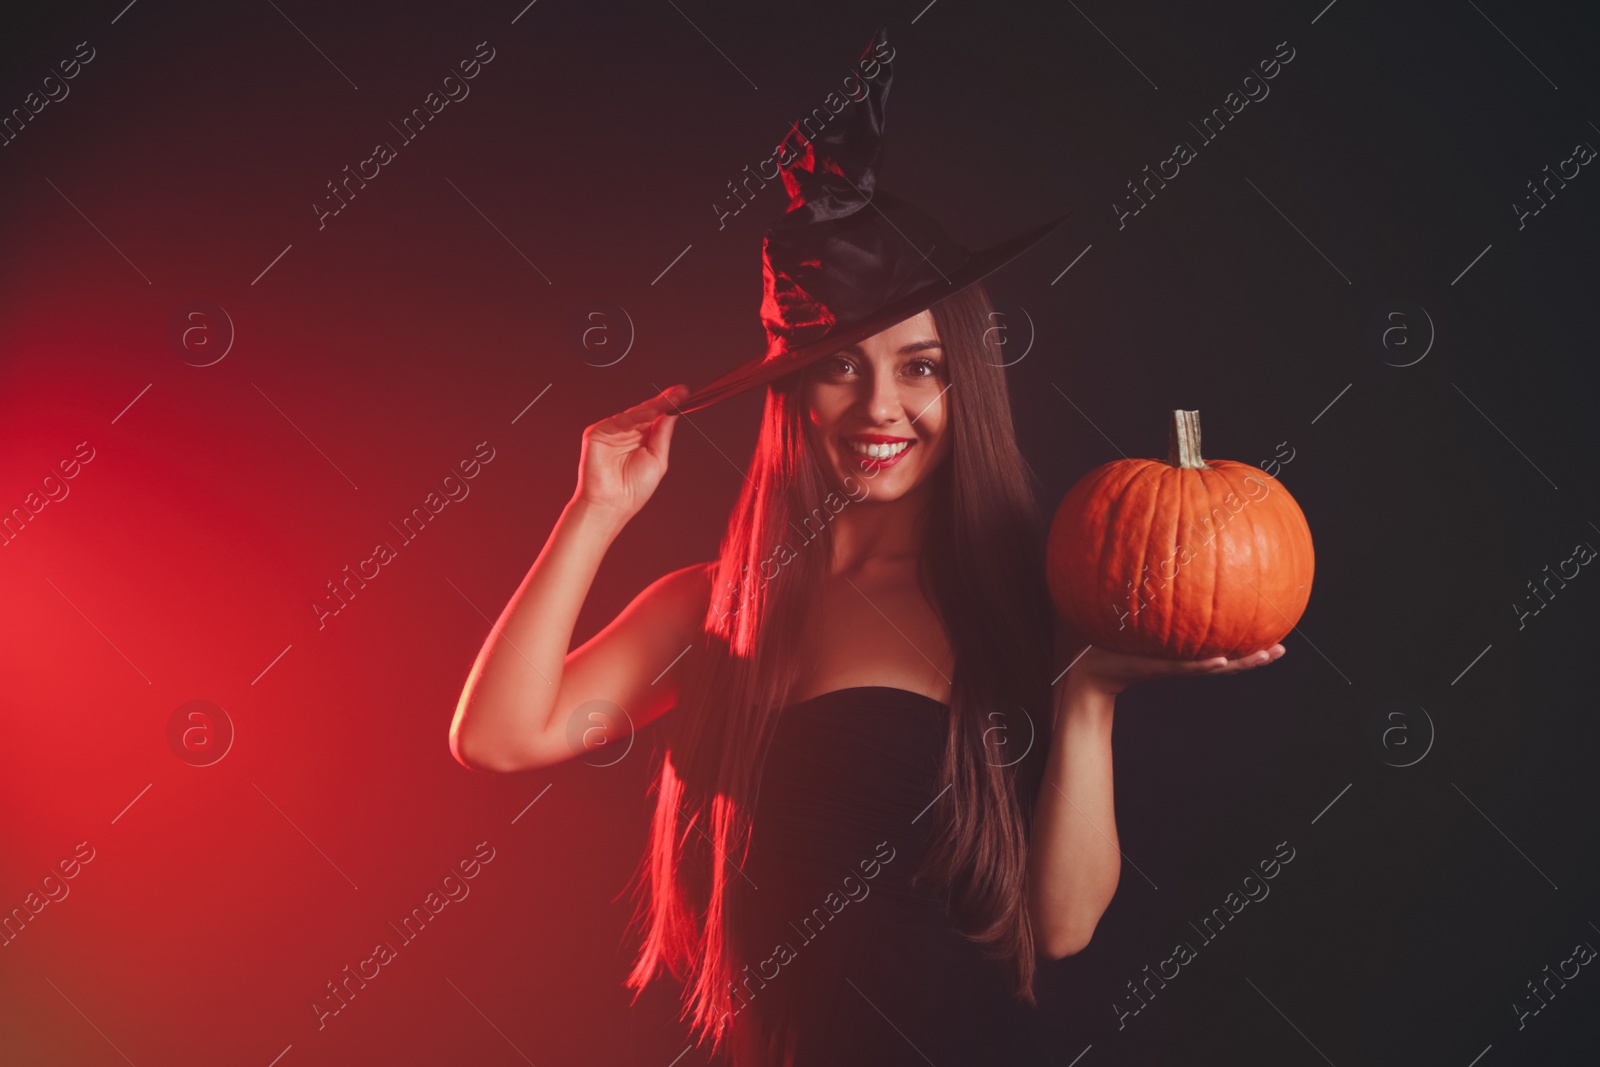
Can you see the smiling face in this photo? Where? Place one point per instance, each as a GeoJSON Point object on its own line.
{"type": "Point", "coordinates": [877, 412]}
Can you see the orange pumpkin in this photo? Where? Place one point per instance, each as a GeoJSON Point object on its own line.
{"type": "Point", "coordinates": [1183, 559]}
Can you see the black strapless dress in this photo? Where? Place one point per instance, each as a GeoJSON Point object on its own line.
{"type": "Point", "coordinates": [849, 963]}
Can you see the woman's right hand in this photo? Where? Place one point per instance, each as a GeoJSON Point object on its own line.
{"type": "Point", "coordinates": [625, 456]}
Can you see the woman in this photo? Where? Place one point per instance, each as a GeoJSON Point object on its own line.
{"type": "Point", "coordinates": [886, 789]}
{"type": "Point", "coordinates": [922, 586]}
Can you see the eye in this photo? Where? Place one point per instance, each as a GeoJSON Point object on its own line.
{"type": "Point", "coordinates": [837, 365]}
{"type": "Point", "coordinates": [923, 367]}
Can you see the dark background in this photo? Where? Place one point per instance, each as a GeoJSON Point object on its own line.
{"type": "Point", "coordinates": [378, 351]}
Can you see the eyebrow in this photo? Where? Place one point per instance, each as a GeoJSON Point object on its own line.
{"type": "Point", "coordinates": [915, 346]}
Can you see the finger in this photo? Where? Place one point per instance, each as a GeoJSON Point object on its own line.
{"type": "Point", "coordinates": [1185, 668]}
{"type": "Point", "coordinates": [641, 413]}
{"type": "Point", "coordinates": [660, 437]}
{"type": "Point", "coordinates": [1152, 667]}
{"type": "Point", "coordinates": [667, 400]}
{"type": "Point", "coordinates": [647, 410]}
{"type": "Point", "coordinates": [1244, 663]}
{"type": "Point", "coordinates": [1262, 658]}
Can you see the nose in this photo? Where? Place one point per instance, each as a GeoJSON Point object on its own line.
{"type": "Point", "coordinates": [883, 398]}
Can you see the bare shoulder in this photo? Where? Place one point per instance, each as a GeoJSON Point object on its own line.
{"type": "Point", "coordinates": [692, 582]}
{"type": "Point", "coordinates": [635, 660]}
{"type": "Point", "coordinates": [671, 615]}
{"type": "Point", "coordinates": [681, 596]}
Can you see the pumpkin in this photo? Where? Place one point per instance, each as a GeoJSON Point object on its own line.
{"type": "Point", "coordinates": [1184, 559]}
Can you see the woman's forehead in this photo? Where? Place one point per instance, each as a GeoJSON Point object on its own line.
{"type": "Point", "coordinates": [908, 335]}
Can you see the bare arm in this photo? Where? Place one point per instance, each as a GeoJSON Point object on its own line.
{"type": "Point", "coordinates": [525, 687]}
{"type": "Point", "coordinates": [1074, 861]}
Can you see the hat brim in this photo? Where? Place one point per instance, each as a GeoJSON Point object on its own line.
{"type": "Point", "coordinates": [760, 370]}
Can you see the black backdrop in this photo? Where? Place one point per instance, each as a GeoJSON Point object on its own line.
{"type": "Point", "coordinates": [1342, 276]}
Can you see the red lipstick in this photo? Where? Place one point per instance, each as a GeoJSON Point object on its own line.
{"type": "Point", "coordinates": [875, 463]}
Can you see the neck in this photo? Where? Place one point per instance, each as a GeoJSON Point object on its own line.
{"type": "Point", "coordinates": [873, 532]}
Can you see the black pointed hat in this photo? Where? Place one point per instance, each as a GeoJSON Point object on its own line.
{"type": "Point", "coordinates": [849, 259]}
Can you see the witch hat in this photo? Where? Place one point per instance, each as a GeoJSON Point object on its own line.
{"type": "Point", "coordinates": [849, 259]}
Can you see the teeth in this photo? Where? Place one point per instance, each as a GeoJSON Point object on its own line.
{"type": "Point", "coordinates": [879, 451]}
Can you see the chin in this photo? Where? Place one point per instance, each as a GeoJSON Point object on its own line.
{"type": "Point", "coordinates": [883, 486]}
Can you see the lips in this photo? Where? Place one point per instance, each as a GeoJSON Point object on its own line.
{"type": "Point", "coordinates": [874, 451]}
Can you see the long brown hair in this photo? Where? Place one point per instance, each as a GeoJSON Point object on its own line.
{"type": "Point", "coordinates": [981, 568]}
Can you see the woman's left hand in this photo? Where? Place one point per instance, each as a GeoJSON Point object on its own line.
{"type": "Point", "coordinates": [1112, 672]}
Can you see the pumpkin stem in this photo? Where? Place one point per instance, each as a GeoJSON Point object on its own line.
{"type": "Point", "coordinates": [1183, 441]}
